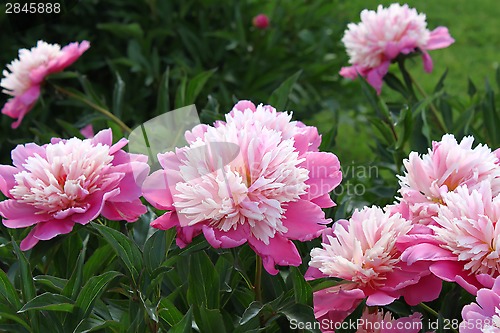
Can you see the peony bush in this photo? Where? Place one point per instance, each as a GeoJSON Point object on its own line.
{"type": "Point", "coordinates": [121, 216]}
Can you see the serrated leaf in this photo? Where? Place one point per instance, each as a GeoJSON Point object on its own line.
{"type": "Point", "coordinates": [124, 247]}
{"type": "Point", "coordinates": [49, 302]}
{"type": "Point", "coordinates": [279, 97]}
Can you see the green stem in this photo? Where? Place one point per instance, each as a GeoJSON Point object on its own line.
{"type": "Point", "coordinates": [258, 279]}
{"type": "Point", "coordinates": [434, 313]}
{"type": "Point", "coordinates": [102, 110]}
{"type": "Point", "coordinates": [433, 108]}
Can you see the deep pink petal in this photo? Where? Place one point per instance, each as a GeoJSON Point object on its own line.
{"type": "Point", "coordinates": [17, 107]}
{"type": "Point", "coordinates": [279, 251]}
{"type": "Point", "coordinates": [324, 173]}
{"type": "Point", "coordinates": [324, 201]}
{"type": "Point", "coordinates": [166, 221]}
{"type": "Point", "coordinates": [130, 185]}
{"type": "Point", "coordinates": [426, 251]}
{"type": "Point", "coordinates": [128, 211]}
{"type": "Point", "coordinates": [225, 239]}
{"type": "Point", "coordinates": [426, 290]}
{"type": "Point", "coordinates": [19, 215]}
{"type": "Point", "coordinates": [304, 220]}
{"type": "Point", "coordinates": [376, 75]}
{"type": "Point", "coordinates": [95, 203]}
{"type": "Point", "coordinates": [29, 241]}
{"type": "Point", "coordinates": [157, 192]}
{"type": "Point", "coordinates": [50, 229]}
{"type": "Point", "coordinates": [427, 60]}
{"type": "Point", "coordinates": [379, 298]}
{"type": "Point", "coordinates": [336, 303]}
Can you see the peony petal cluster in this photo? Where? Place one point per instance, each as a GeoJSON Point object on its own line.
{"type": "Point", "coordinates": [54, 186]}
{"type": "Point", "coordinates": [24, 76]}
{"type": "Point", "coordinates": [267, 194]}
{"type": "Point", "coordinates": [383, 35]}
{"type": "Point", "coordinates": [363, 252]}
{"type": "Point", "coordinates": [463, 245]}
{"type": "Point", "coordinates": [484, 315]}
{"type": "Point", "coordinates": [443, 169]}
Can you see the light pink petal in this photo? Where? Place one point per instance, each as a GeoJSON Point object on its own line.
{"type": "Point", "coordinates": [17, 107]}
{"type": "Point", "coordinates": [324, 173]}
{"type": "Point", "coordinates": [225, 239]}
{"type": "Point", "coordinates": [426, 251]}
{"type": "Point", "coordinates": [71, 53]}
{"type": "Point", "coordinates": [130, 185]}
{"type": "Point", "coordinates": [21, 153]}
{"type": "Point", "coordinates": [87, 131]}
{"type": "Point", "coordinates": [379, 298]}
{"type": "Point", "coordinates": [7, 181]}
{"type": "Point", "coordinates": [439, 39]}
{"type": "Point", "coordinates": [157, 192]}
{"type": "Point", "coordinates": [313, 273]}
{"type": "Point", "coordinates": [104, 137]}
{"type": "Point", "coordinates": [488, 301]}
{"type": "Point", "coordinates": [304, 220]}
{"type": "Point", "coordinates": [279, 251]}
{"type": "Point", "coordinates": [117, 146]}
{"type": "Point", "coordinates": [19, 215]}
{"type": "Point", "coordinates": [350, 72]}
{"type": "Point", "coordinates": [128, 211]}
{"type": "Point", "coordinates": [244, 105]}
{"type": "Point", "coordinates": [197, 132]}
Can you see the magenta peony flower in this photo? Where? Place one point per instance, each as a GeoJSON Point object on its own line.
{"type": "Point", "coordinates": [70, 181]}
{"type": "Point", "coordinates": [25, 75]}
{"type": "Point", "coordinates": [271, 193]}
{"type": "Point", "coordinates": [444, 168]}
{"type": "Point", "coordinates": [484, 315]}
{"type": "Point", "coordinates": [378, 322]}
{"type": "Point", "coordinates": [261, 21]}
{"type": "Point", "coordinates": [463, 246]}
{"type": "Point", "coordinates": [384, 34]}
{"type": "Point", "coordinates": [363, 251]}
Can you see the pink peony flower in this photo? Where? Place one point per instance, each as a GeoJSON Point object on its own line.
{"type": "Point", "coordinates": [363, 251]}
{"type": "Point", "coordinates": [70, 181]}
{"type": "Point", "coordinates": [444, 168]}
{"type": "Point", "coordinates": [384, 34]}
{"type": "Point", "coordinates": [271, 193]}
{"type": "Point", "coordinates": [261, 21]}
{"type": "Point", "coordinates": [464, 245]}
{"type": "Point", "coordinates": [25, 75]}
{"type": "Point", "coordinates": [484, 315]}
{"type": "Point", "coordinates": [378, 322]}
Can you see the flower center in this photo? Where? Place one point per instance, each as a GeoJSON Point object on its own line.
{"type": "Point", "coordinates": [69, 172]}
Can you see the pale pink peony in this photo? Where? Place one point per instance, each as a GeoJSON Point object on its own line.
{"type": "Point", "coordinates": [271, 193]}
{"type": "Point", "coordinates": [464, 245]}
{"type": "Point", "coordinates": [363, 251]}
{"type": "Point", "coordinates": [484, 315]}
{"type": "Point", "coordinates": [378, 322]}
{"type": "Point", "coordinates": [70, 181]}
{"type": "Point", "coordinates": [24, 76]}
{"type": "Point", "coordinates": [445, 167]}
{"type": "Point", "coordinates": [384, 34]}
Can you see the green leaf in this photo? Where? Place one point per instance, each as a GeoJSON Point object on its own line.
{"type": "Point", "coordinates": [196, 84]}
{"type": "Point", "coordinates": [124, 247]}
{"type": "Point", "coordinates": [52, 282]}
{"type": "Point", "coordinates": [131, 30]}
{"type": "Point", "coordinates": [27, 285]}
{"type": "Point", "coordinates": [180, 96]}
{"type": "Point", "coordinates": [118, 95]}
{"type": "Point", "coordinates": [299, 313]}
{"type": "Point", "coordinates": [209, 320]}
{"type": "Point", "coordinates": [49, 302]}
{"type": "Point", "coordinates": [98, 261]}
{"type": "Point", "coordinates": [71, 129]}
{"type": "Point", "coordinates": [395, 84]}
{"type": "Point", "coordinates": [155, 250]}
{"type": "Point", "coordinates": [203, 282]}
{"type": "Point", "coordinates": [8, 291]}
{"type": "Point", "coordinates": [471, 88]}
{"type": "Point", "coordinates": [279, 97]}
{"type": "Point", "coordinates": [163, 101]}
{"type": "Point", "coordinates": [168, 312]}
{"type": "Point", "coordinates": [302, 289]}
{"type": "Point", "coordinates": [404, 127]}
{"type": "Point", "coordinates": [440, 85]}
{"type": "Point", "coordinates": [251, 312]}
{"type": "Point", "coordinates": [94, 324]}
{"type": "Point", "coordinates": [74, 284]}
{"type": "Point", "coordinates": [92, 290]}
{"type": "Point", "coordinates": [17, 319]}
{"type": "Point", "coordinates": [185, 325]}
